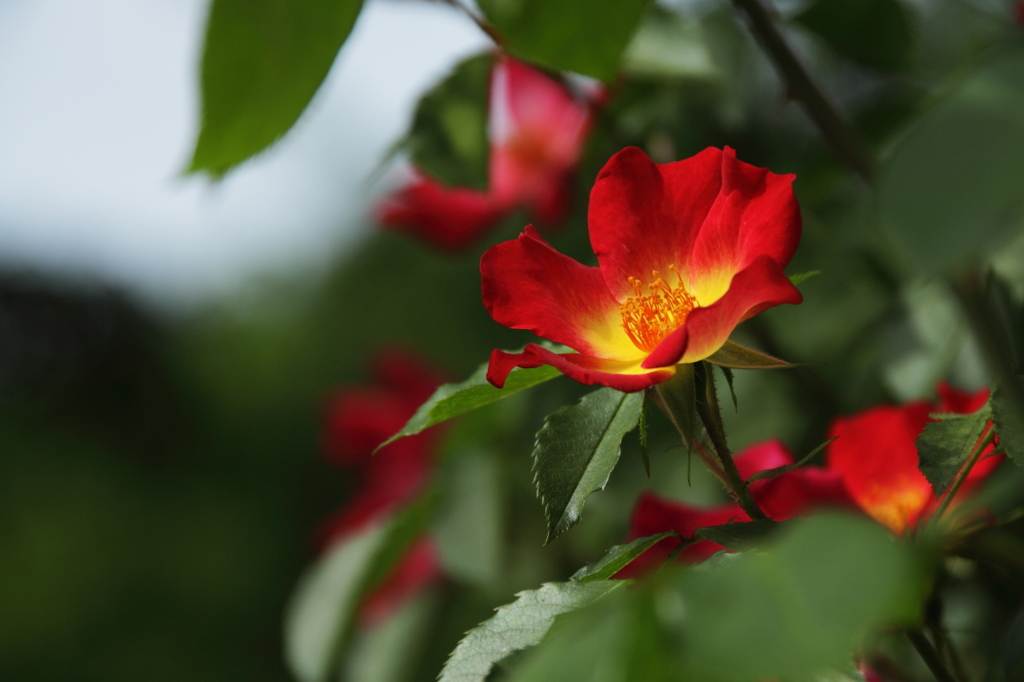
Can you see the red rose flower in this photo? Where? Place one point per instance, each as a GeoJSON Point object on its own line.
{"type": "Point", "coordinates": [782, 497]}
{"type": "Point", "coordinates": [685, 251]}
{"type": "Point", "coordinates": [358, 420]}
{"type": "Point", "coordinates": [876, 457]}
{"type": "Point", "coordinates": [538, 128]}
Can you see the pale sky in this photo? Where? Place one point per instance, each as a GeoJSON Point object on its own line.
{"type": "Point", "coordinates": [98, 113]}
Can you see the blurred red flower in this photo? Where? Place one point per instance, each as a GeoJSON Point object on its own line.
{"type": "Point", "coordinates": [1020, 12]}
{"type": "Point", "coordinates": [782, 497]}
{"type": "Point", "coordinates": [876, 457]}
{"type": "Point", "coordinates": [538, 128]}
{"type": "Point", "coordinates": [358, 420]}
{"type": "Point", "coordinates": [686, 251]}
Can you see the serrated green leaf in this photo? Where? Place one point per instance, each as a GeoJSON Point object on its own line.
{"type": "Point", "coordinates": [742, 535]}
{"type": "Point", "coordinates": [576, 450]}
{"type": "Point", "coordinates": [451, 400]}
{"type": "Point", "coordinates": [519, 625]}
{"type": "Point", "coordinates": [778, 471]}
{"type": "Point", "coordinates": [448, 137]}
{"type": "Point", "coordinates": [1008, 426]}
{"type": "Point", "coordinates": [803, 276]}
{"type": "Point", "coordinates": [735, 356]}
{"type": "Point", "coordinates": [944, 446]}
{"type": "Point", "coordinates": [263, 61]}
{"type": "Point", "coordinates": [618, 557]}
{"type": "Point", "coordinates": [585, 36]}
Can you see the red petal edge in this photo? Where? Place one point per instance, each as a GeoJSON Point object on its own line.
{"type": "Point", "coordinates": [582, 368]}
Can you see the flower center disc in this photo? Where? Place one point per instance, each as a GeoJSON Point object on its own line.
{"type": "Point", "coordinates": [649, 318]}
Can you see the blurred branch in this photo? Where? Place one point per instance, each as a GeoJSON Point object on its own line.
{"type": "Point", "coordinates": [836, 130]}
{"type": "Point", "coordinates": [481, 23]}
{"type": "Point", "coordinates": [929, 655]}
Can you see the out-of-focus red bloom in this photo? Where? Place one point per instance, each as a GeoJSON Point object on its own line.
{"type": "Point", "coordinates": [781, 498]}
{"type": "Point", "coordinates": [686, 251]}
{"type": "Point", "coordinates": [358, 420]}
{"type": "Point", "coordinates": [1019, 13]}
{"type": "Point", "coordinates": [538, 128]}
{"type": "Point", "coordinates": [876, 457]}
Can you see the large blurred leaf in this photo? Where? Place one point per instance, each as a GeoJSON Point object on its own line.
{"type": "Point", "coordinates": [518, 625]}
{"type": "Point", "coordinates": [585, 36]}
{"type": "Point", "coordinates": [667, 45]}
{"type": "Point", "coordinates": [576, 450]}
{"type": "Point", "coordinates": [944, 446]}
{"type": "Point", "coordinates": [324, 602]}
{"type": "Point", "coordinates": [954, 184]}
{"type": "Point", "coordinates": [797, 611]}
{"type": "Point", "coordinates": [467, 527]}
{"type": "Point", "coordinates": [451, 400]}
{"type": "Point", "coordinates": [876, 33]}
{"type": "Point", "coordinates": [448, 139]}
{"type": "Point", "coordinates": [319, 619]}
{"type": "Point", "coordinates": [262, 62]}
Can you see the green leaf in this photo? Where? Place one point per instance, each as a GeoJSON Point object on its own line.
{"type": "Point", "coordinates": [876, 33]}
{"type": "Point", "coordinates": [800, 607]}
{"type": "Point", "coordinates": [451, 400]}
{"type": "Point", "coordinates": [678, 397]}
{"type": "Point", "coordinates": [735, 356]}
{"type": "Point", "coordinates": [778, 471]}
{"type": "Point", "coordinates": [1008, 426]}
{"type": "Point", "coordinates": [321, 609]}
{"type": "Point", "coordinates": [262, 62]}
{"type": "Point", "coordinates": [320, 615]}
{"type": "Point", "coordinates": [741, 535]}
{"type": "Point", "coordinates": [519, 625]}
{"type": "Point", "coordinates": [667, 45]}
{"type": "Point", "coordinates": [448, 138]}
{"type": "Point", "coordinates": [618, 557]}
{"type": "Point", "coordinates": [803, 276]}
{"type": "Point", "coordinates": [468, 525]}
{"type": "Point", "coordinates": [949, 191]}
{"type": "Point", "coordinates": [944, 446]}
{"type": "Point", "coordinates": [576, 450]}
{"type": "Point", "coordinates": [796, 611]}
{"type": "Point", "coordinates": [729, 378]}
{"type": "Point", "coordinates": [585, 36]}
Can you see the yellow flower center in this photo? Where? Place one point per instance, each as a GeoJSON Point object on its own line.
{"type": "Point", "coordinates": [649, 318]}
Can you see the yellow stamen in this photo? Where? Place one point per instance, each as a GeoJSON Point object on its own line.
{"type": "Point", "coordinates": [649, 318]}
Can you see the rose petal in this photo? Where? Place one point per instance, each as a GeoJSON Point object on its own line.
{"type": "Point", "coordinates": [644, 216]}
{"type": "Point", "coordinates": [755, 214]}
{"type": "Point", "coordinates": [877, 459]}
{"type": "Point", "coordinates": [528, 285]}
{"type": "Point", "coordinates": [760, 285]}
{"type": "Point", "coordinates": [450, 218]}
{"type": "Point", "coordinates": [628, 377]}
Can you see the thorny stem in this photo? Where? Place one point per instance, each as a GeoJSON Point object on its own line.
{"type": "Point", "coordinates": [706, 457]}
{"type": "Point", "coordinates": [800, 86]}
{"type": "Point", "coordinates": [482, 24]}
{"type": "Point", "coordinates": [711, 415]}
{"type": "Point", "coordinates": [976, 453]}
{"type": "Point", "coordinates": [929, 655]}
{"type": "Point", "coordinates": [730, 477]}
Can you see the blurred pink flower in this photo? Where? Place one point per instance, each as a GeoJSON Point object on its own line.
{"type": "Point", "coordinates": [358, 420]}
{"type": "Point", "coordinates": [538, 128]}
